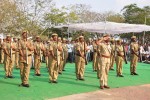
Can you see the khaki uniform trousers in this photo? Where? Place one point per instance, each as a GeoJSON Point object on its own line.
{"type": "Point", "coordinates": [46, 60]}
{"type": "Point", "coordinates": [53, 68]}
{"type": "Point", "coordinates": [80, 64]}
{"type": "Point", "coordinates": [119, 65]}
{"type": "Point", "coordinates": [61, 64]}
{"type": "Point", "coordinates": [76, 64]}
{"type": "Point", "coordinates": [8, 65]}
{"type": "Point", "coordinates": [133, 64]}
{"type": "Point", "coordinates": [94, 61]}
{"type": "Point", "coordinates": [104, 69]}
{"type": "Point", "coordinates": [98, 66]}
{"type": "Point", "coordinates": [25, 70]}
{"type": "Point", "coordinates": [37, 64]}
{"type": "Point", "coordinates": [2, 56]}
{"type": "Point", "coordinates": [65, 59]}
{"type": "Point", "coordinates": [17, 59]}
{"type": "Point", "coordinates": [112, 60]}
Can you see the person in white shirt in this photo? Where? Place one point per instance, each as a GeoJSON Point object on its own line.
{"type": "Point", "coordinates": [70, 51]}
{"type": "Point", "coordinates": [88, 55]}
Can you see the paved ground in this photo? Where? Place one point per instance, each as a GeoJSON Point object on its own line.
{"type": "Point", "coordinates": [141, 92]}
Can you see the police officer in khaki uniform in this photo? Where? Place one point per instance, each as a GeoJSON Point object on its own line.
{"type": "Point", "coordinates": [134, 55]}
{"type": "Point", "coordinates": [9, 57]}
{"type": "Point", "coordinates": [38, 52]}
{"type": "Point", "coordinates": [112, 59]}
{"type": "Point", "coordinates": [13, 53]}
{"type": "Point", "coordinates": [49, 42]}
{"type": "Point", "coordinates": [75, 50]}
{"type": "Point", "coordinates": [54, 51]}
{"type": "Point", "coordinates": [119, 58]}
{"type": "Point", "coordinates": [94, 55]}
{"type": "Point", "coordinates": [80, 58]}
{"type": "Point", "coordinates": [98, 56]}
{"type": "Point", "coordinates": [64, 55]}
{"type": "Point", "coordinates": [25, 57]}
{"type": "Point", "coordinates": [45, 52]}
{"type": "Point", "coordinates": [2, 51]}
{"type": "Point", "coordinates": [105, 51]}
{"type": "Point", "coordinates": [16, 53]}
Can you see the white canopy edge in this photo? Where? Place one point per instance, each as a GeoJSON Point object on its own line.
{"type": "Point", "coordinates": [107, 27]}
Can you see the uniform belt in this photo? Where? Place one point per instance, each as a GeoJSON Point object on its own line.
{"type": "Point", "coordinates": [120, 55]}
{"type": "Point", "coordinates": [133, 53]}
{"type": "Point", "coordinates": [95, 51]}
{"type": "Point", "coordinates": [105, 56]}
{"type": "Point", "coordinates": [38, 54]}
{"type": "Point", "coordinates": [78, 54]}
{"type": "Point", "coordinates": [29, 55]}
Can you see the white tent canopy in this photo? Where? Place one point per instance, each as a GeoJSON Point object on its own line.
{"type": "Point", "coordinates": [108, 27]}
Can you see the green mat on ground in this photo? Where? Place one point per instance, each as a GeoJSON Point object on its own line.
{"type": "Point", "coordinates": [42, 90]}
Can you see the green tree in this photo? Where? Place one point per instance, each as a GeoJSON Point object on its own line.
{"type": "Point", "coordinates": [134, 14]}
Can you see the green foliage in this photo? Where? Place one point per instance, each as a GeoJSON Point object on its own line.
{"type": "Point", "coordinates": [134, 14]}
{"type": "Point", "coordinates": [116, 18]}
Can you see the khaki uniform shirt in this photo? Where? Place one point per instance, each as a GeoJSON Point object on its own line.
{"type": "Point", "coordinates": [26, 52]}
{"type": "Point", "coordinates": [105, 49]}
{"type": "Point", "coordinates": [95, 47]}
{"type": "Point", "coordinates": [53, 47]}
{"type": "Point", "coordinates": [81, 47]}
{"type": "Point", "coordinates": [113, 49]}
{"type": "Point", "coordinates": [7, 47]}
{"type": "Point", "coordinates": [119, 48]}
{"type": "Point", "coordinates": [134, 46]}
{"type": "Point", "coordinates": [38, 47]}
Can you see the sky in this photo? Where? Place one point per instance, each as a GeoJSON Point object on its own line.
{"type": "Point", "coordinates": [103, 5]}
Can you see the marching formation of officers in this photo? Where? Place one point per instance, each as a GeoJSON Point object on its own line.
{"type": "Point", "coordinates": [107, 51]}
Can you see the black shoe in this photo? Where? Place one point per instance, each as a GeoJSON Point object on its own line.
{"type": "Point", "coordinates": [102, 87]}
{"type": "Point", "coordinates": [11, 77]}
{"type": "Point", "coordinates": [25, 85]}
{"type": "Point", "coordinates": [82, 79]}
{"type": "Point", "coordinates": [55, 82]}
{"type": "Point", "coordinates": [112, 69]}
{"type": "Point", "coordinates": [132, 74]}
{"type": "Point", "coordinates": [63, 70]}
{"type": "Point", "coordinates": [107, 87]}
{"type": "Point", "coordinates": [121, 76]}
{"type": "Point", "coordinates": [38, 74]}
{"type": "Point", "coordinates": [135, 73]}
{"type": "Point", "coordinates": [59, 73]}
